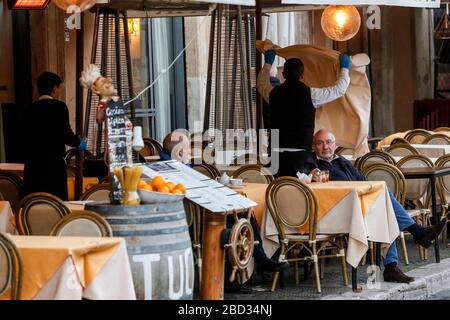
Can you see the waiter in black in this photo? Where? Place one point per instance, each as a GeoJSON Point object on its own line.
{"type": "Point", "coordinates": [293, 108]}
{"type": "Point", "coordinates": [48, 119]}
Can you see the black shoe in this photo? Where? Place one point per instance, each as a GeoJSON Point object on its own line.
{"type": "Point", "coordinates": [271, 266]}
{"type": "Point", "coordinates": [431, 233]}
{"type": "Point", "coordinates": [394, 274]}
{"type": "Point", "coordinates": [237, 288]}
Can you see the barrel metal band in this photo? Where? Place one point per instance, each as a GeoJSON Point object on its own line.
{"type": "Point", "coordinates": [134, 233]}
{"type": "Point", "coordinates": [141, 249]}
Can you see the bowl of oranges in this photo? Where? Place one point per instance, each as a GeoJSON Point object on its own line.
{"type": "Point", "coordinates": [159, 190]}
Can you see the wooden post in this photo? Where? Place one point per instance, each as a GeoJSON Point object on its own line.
{"type": "Point", "coordinates": [258, 69]}
{"type": "Point", "coordinates": [213, 257]}
{"type": "Point", "coordinates": [79, 110]}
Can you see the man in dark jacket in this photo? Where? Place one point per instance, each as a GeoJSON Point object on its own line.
{"type": "Point", "coordinates": [293, 108]}
{"type": "Point", "coordinates": [340, 169]}
{"type": "Point", "coordinates": [48, 119]}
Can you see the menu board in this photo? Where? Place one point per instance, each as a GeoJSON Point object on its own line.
{"type": "Point", "coordinates": [117, 145]}
{"type": "Point", "coordinates": [200, 189]}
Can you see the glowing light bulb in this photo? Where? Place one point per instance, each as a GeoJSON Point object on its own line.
{"type": "Point", "coordinates": [340, 23]}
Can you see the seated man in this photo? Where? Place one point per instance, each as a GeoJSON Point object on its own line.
{"type": "Point", "coordinates": [341, 169]}
{"type": "Point", "coordinates": [176, 145]}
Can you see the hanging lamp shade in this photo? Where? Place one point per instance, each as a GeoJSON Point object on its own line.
{"type": "Point", "coordinates": [442, 30]}
{"type": "Point", "coordinates": [340, 23]}
{"type": "Point", "coordinates": [82, 4]}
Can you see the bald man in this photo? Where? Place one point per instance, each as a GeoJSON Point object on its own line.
{"type": "Point", "coordinates": [324, 158]}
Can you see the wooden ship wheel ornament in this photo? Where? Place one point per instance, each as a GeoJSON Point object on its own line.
{"type": "Point", "coordinates": [239, 246]}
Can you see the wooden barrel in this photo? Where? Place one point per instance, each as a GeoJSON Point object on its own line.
{"type": "Point", "coordinates": [159, 247]}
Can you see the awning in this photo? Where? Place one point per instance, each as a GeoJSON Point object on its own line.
{"type": "Point", "coordinates": [401, 3]}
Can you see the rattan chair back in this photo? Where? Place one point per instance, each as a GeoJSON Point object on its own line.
{"type": "Point", "coordinates": [11, 187]}
{"type": "Point", "coordinates": [254, 173]}
{"type": "Point", "coordinates": [38, 213]}
{"type": "Point", "coordinates": [344, 151]}
{"type": "Point", "coordinates": [401, 149]}
{"type": "Point", "coordinates": [399, 140]}
{"type": "Point", "coordinates": [11, 269]}
{"type": "Point", "coordinates": [291, 204]}
{"type": "Point", "coordinates": [442, 129]}
{"type": "Point", "coordinates": [395, 181]}
{"type": "Point", "coordinates": [98, 192]}
{"type": "Point", "coordinates": [373, 157]}
{"type": "Point", "coordinates": [207, 169]}
{"type": "Point", "coordinates": [437, 138]}
{"type": "Point", "coordinates": [417, 136]}
{"type": "Point", "coordinates": [415, 188]}
{"type": "Point", "coordinates": [443, 183]}
{"type": "Point", "coordinates": [82, 223]}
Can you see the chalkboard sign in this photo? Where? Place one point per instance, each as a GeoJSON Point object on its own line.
{"type": "Point", "coordinates": [117, 144]}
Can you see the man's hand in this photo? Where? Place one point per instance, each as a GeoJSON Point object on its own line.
{"type": "Point", "coordinates": [269, 56]}
{"type": "Point", "coordinates": [315, 175]}
{"type": "Point", "coordinates": [83, 145]}
{"type": "Point", "coordinates": [344, 61]}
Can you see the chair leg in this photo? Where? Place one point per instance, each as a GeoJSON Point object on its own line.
{"type": "Point", "coordinates": [316, 267]}
{"type": "Point", "coordinates": [405, 252]}
{"type": "Point", "coordinates": [297, 278]}
{"type": "Point", "coordinates": [372, 253]}
{"type": "Point", "coordinates": [321, 268]}
{"type": "Point", "coordinates": [274, 282]}
{"type": "Point", "coordinates": [343, 262]}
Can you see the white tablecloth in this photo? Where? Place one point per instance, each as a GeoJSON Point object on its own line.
{"type": "Point", "coordinates": [378, 225]}
{"type": "Point", "coordinates": [113, 282]}
{"type": "Point", "coordinates": [5, 215]}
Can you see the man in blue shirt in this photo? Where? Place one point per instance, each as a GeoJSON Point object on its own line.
{"type": "Point", "coordinates": [324, 158]}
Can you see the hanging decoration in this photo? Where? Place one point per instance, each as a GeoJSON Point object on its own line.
{"type": "Point", "coordinates": [81, 4]}
{"type": "Point", "coordinates": [340, 23]}
{"type": "Point", "coordinates": [442, 30]}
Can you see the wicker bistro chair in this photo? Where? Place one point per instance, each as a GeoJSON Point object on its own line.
{"type": "Point", "coordinates": [416, 190]}
{"type": "Point", "coordinates": [98, 192]}
{"type": "Point", "coordinates": [207, 169]}
{"type": "Point", "coordinates": [399, 140]}
{"type": "Point", "coordinates": [372, 157]}
{"type": "Point", "coordinates": [11, 268]}
{"type": "Point", "coordinates": [437, 138]}
{"type": "Point", "coordinates": [396, 183]}
{"type": "Point", "coordinates": [401, 149]}
{"type": "Point", "coordinates": [416, 136]}
{"type": "Point", "coordinates": [11, 187]}
{"type": "Point", "coordinates": [82, 223]}
{"type": "Point", "coordinates": [253, 173]}
{"type": "Point", "coordinates": [38, 213]}
{"type": "Point", "coordinates": [292, 204]}
{"type": "Point", "coordinates": [151, 148]}
{"type": "Point", "coordinates": [441, 129]}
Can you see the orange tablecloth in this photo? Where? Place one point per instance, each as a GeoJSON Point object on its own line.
{"type": "Point", "coordinates": [43, 256]}
{"type": "Point", "coordinates": [327, 194]}
{"type": "Point", "coordinates": [87, 181]}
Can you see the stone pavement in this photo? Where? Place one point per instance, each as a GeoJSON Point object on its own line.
{"type": "Point", "coordinates": [430, 279]}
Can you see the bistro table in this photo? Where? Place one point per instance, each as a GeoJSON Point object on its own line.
{"type": "Point", "coordinates": [431, 173]}
{"type": "Point", "coordinates": [72, 268]}
{"type": "Point", "coordinates": [16, 168]}
{"type": "Point", "coordinates": [361, 209]}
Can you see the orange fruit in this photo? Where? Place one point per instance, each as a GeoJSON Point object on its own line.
{"type": "Point", "coordinates": [176, 191]}
{"type": "Point", "coordinates": [148, 187]}
{"type": "Point", "coordinates": [158, 181]}
{"type": "Point", "coordinates": [181, 187]}
{"type": "Point", "coordinates": [142, 184]}
{"type": "Point", "coordinates": [170, 185]}
{"type": "Point", "coordinates": [163, 189]}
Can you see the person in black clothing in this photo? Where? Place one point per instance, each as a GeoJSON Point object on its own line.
{"type": "Point", "coordinates": [293, 107]}
{"type": "Point", "coordinates": [48, 119]}
{"type": "Point", "coordinates": [340, 169]}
